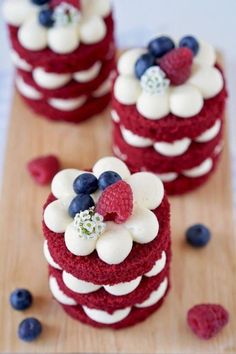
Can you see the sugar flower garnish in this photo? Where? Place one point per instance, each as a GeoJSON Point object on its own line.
{"type": "Point", "coordinates": [65, 14]}
{"type": "Point", "coordinates": [89, 224]}
{"type": "Point", "coordinates": [154, 81]}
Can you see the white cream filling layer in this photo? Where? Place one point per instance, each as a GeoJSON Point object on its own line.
{"type": "Point", "coordinates": [27, 90]}
{"type": "Point", "coordinates": [175, 148]}
{"type": "Point", "coordinates": [104, 317]}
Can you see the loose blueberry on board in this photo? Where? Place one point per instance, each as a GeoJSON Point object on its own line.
{"type": "Point", "coordinates": [29, 329]}
{"type": "Point", "coordinates": [40, 2]}
{"type": "Point", "coordinates": [160, 46]}
{"type": "Point", "coordinates": [85, 183]}
{"type": "Point", "coordinates": [46, 18]}
{"type": "Point", "coordinates": [191, 43]}
{"type": "Point", "coordinates": [80, 203]}
{"type": "Point", "coordinates": [143, 63]}
{"type": "Point", "coordinates": [107, 179]}
{"type": "Point", "coordinates": [21, 299]}
{"type": "Point", "coordinates": [198, 235]}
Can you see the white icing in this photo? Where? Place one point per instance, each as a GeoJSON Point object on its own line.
{"type": "Point", "coordinates": [208, 80]}
{"type": "Point", "coordinates": [59, 294]}
{"type": "Point", "coordinates": [143, 225]}
{"type": "Point", "coordinates": [147, 189]}
{"type": "Point", "coordinates": [105, 317]}
{"type": "Point", "coordinates": [64, 39]}
{"type": "Point", "coordinates": [67, 104]}
{"type": "Point", "coordinates": [115, 116]}
{"type": "Point", "coordinates": [200, 170]}
{"type": "Point", "coordinates": [127, 61]}
{"type": "Point", "coordinates": [155, 296]}
{"type": "Point", "coordinates": [19, 62]}
{"type": "Point", "coordinates": [123, 288]}
{"type": "Point", "coordinates": [185, 101]}
{"type": "Point", "coordinates": [206, 55]}
{"type": "Point", "coordinates": [103, 89]}
{"type": "Point", "coordinates": [135, 140]}
{"type": "Point", "coordinates": [77, 245]}
{"type": "Point", "coordinates": [176, 148]}
{"type": "Point", "coordinates": [17, 12]}
{"type": "Point", "coordinates": [62, 183]}
{"type": "Point", "coordinates": [48, 256]}
{"type": "Point", "coordinates": [56, 215]}
{"type": "Point", "coordinates": [50, 80]}
{"type": "Point", "coordinates": [89, 74]}
{"type": "Point", "coordinates": [77, 285]}
{"type": "Point", "coordinates": [93, 7]}
{"type": "Point", "coordinates": [219, 148]}
{"type": "Point", "coordinates": [168, 177]}
{"type": "Point", "coordinates": [111, 164]}
{"type": "Point", "coordinates": [27, 90]}
{"type": "Point", "coordinates": [210, 133]}
{"type": "Point", "coordinates": [158, 266]}
{"type": "Point", "coordinates": [127, 89]}
{"type": "Point", "coordinates": [92, 30]}
{"type": "Point", "coordinates": [115, 244]}
{"type": "Point", "coordinates": [119, 154]}
{"type": "Point", "coordinates": [32, 36]}
{"type": "Point", "coordinates": [153, 106]}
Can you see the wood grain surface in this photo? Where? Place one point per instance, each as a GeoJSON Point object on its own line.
{"type": "Point", "coordinates": [206, 275]}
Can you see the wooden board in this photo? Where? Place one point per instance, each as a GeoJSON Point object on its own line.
{"type": "Point", "coordinates": [206, 275]}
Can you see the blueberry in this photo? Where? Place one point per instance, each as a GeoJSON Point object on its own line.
{"type": "Point", "coordinates": [80, 203]}
{"type": "Point", "coordinates": [191, 43]}
{"type": "Point", "coordinates": [29, 329]}
{"type": "Point", "coordinates": [21, 299]}
{"type": "Point", "coordinates": [198, 235]}
{"type": "Point", "coordinates": [160, 46]}
{"type": "Point", "coordinates": [86, 184]}
{"type": "Point", "coordinates": [46, 18]}
{"type": "Point", "coordinates": [108, 178]}
{"type": "Point", "coordinates": [143, 63]}
{"type": "Point", "coordinates": [40, 2]}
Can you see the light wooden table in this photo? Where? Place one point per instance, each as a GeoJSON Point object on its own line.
{"type": "Point", "coordinates": [206, 275]}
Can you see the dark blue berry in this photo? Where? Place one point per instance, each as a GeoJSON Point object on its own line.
{"type": "Point", "coordinates": [40, 2]}
{"type": "Point", "coordinates": [46, 18]}
{"type": "Point", "coordinates": [80, 203]}
{"type": "Point", "coordinates": [160, 46]}
{"type": "Point", "coordinates": [143, 63]}
{"type": "Point", "coordinates": [29, 329]}
{"type": "Point", "coordinates": [85, 183]}
{"type": "Point", "coordinates": [198, 235]}
{"type": "Point", "coordinates": [107, 179]}
{"type": "Point", "coordinates": [191, 43]}
{"type": "Point", "coordinates": [21, 299]}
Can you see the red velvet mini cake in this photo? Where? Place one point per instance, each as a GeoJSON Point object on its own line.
{"type": "Point", "coordinates": [168, 106]}
{"type": "Point", "coordinates": [64, 53]}
{"type": "Point", "coordinates": [107, 243]}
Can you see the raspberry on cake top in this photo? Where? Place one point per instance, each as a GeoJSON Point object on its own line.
{"type": "Point", "coordinates": [168, 77]}
{"type": "Point", "coordinates": [56, 24]}
{"type": "Point", "coordinates": [106, 210]}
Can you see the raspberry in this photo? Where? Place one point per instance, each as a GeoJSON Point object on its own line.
{"type": "Point", "coordinates": [177, 65]}
{"type": "Point", "coordinates": [116, 202]}
{"type": "Point", "coordinates": [75, 3]}
{"type": "Point", "coordinates": [206, 320]}
{"type": "Point", "coordinates": [43, 168]}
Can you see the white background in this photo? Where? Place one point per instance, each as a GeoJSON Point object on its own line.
{"type": "Point", "coordinates": [137, 21]}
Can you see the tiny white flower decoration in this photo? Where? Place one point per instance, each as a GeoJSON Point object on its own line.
{"type": "Point", "coordinates": [89, 224]}
{"type": "Point", "coordinates": [154, 81]}
{"type": "Point", "coordinates": [65, 14]}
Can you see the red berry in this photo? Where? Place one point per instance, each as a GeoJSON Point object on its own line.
{"type": "Point", "coordinates": [75, 3]}
{"type": "Point", "coordinates": [177, 65]}
{"type": "Point", "coordinates": [206, 320]}
{"type": "Point", "coordinates": [116, 202]}
{"type": "Point", "coordinates": [43, 168]}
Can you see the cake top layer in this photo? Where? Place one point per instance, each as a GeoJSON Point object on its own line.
{"type": "Point", "coordinates": [168, 77]}
{"type": "Point", "coordinates": [60, 25]}
{"type": "Point", "coordinates": [104, 210]}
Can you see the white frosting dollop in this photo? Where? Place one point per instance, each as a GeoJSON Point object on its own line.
{"type": "Point", "coordinates": [32, 36]}
{"type": "Point", "coordinates": [155, 296]}
{"type": "Point", "coordinates": [103, 89]}
{"type": "Point", "coordinates": [127, 89]}
{"type": "Point", "coordinates": [94, 7]}
{"type": "Point", "coordinates": [77, 285]}
{"type": "Point", "coordinates": [27, 90]}
{"type": "Point", "coordinates": [59, 294]}
{"type": "Point", "coordinates": [63, 40]}
{"type": "Point", "coordinates": [77, 245]}
{"type": "Point", "coordinates": [168, 177]}
{"type": "Point", "coordinates": [123, 288]}
{"type": "Point", "coordinates": [56, 215]}
{"type": "Point", "coordinates": [67, 104]}
{"type": "Point", "coordinates": [50, 80]}
{"type": "Point", "coordinates": [210, 133]}
{"type": "Point", "coordinates": [92, 30]}
{"type": "Point", "coordinates": [153, 106]}
{"type": "Point", "coordinates": [48, 256]}
{"type": "Point", "coordinates": [200, 170]}
{"type": "Point", "coordinates": [62, 183]}
{"type": "Point", "coordinates": [105, 317]}
{"type": "Point", "coordinates": [17, 12]}
{"type": "Point", "coordinates": [176, 148]}
{"type": "Point", "coordinates": [147, 189]}
{"type": "Point", "coordinates": [111, 164]}
{"type": "Point", "coordinates": [206, 55]}
{"type": "Point", "coordinates": [158, 266]}
{"type": "Point", "coordinates": [89, 74]}
{"type": "Point", "coordinates": [127, 61]}
{"type": "Point", "coordinates": [185, 101]}
{"type": "Point", "coordinates": [19, 62]}
{"type": "Point", "coordinates": [134, 139]}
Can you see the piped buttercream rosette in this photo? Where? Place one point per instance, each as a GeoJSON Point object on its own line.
{"type": "Point", "coordinates": [111, 237]}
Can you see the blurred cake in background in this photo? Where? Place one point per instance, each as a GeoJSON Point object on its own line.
{"type": "Point", "coordinates": [107, 243]}
{"type": "Point", "coordinates": [64, 53]}
{"type": "Point", "coordinates": [168, 111]}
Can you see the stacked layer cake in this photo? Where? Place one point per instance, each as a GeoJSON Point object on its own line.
{"type": "Point", "coordinates": [168, 106]}
{"type": "Point", "coordinates": [64, 54]}
{"type": "Point", "coordinates": [107, 243]}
